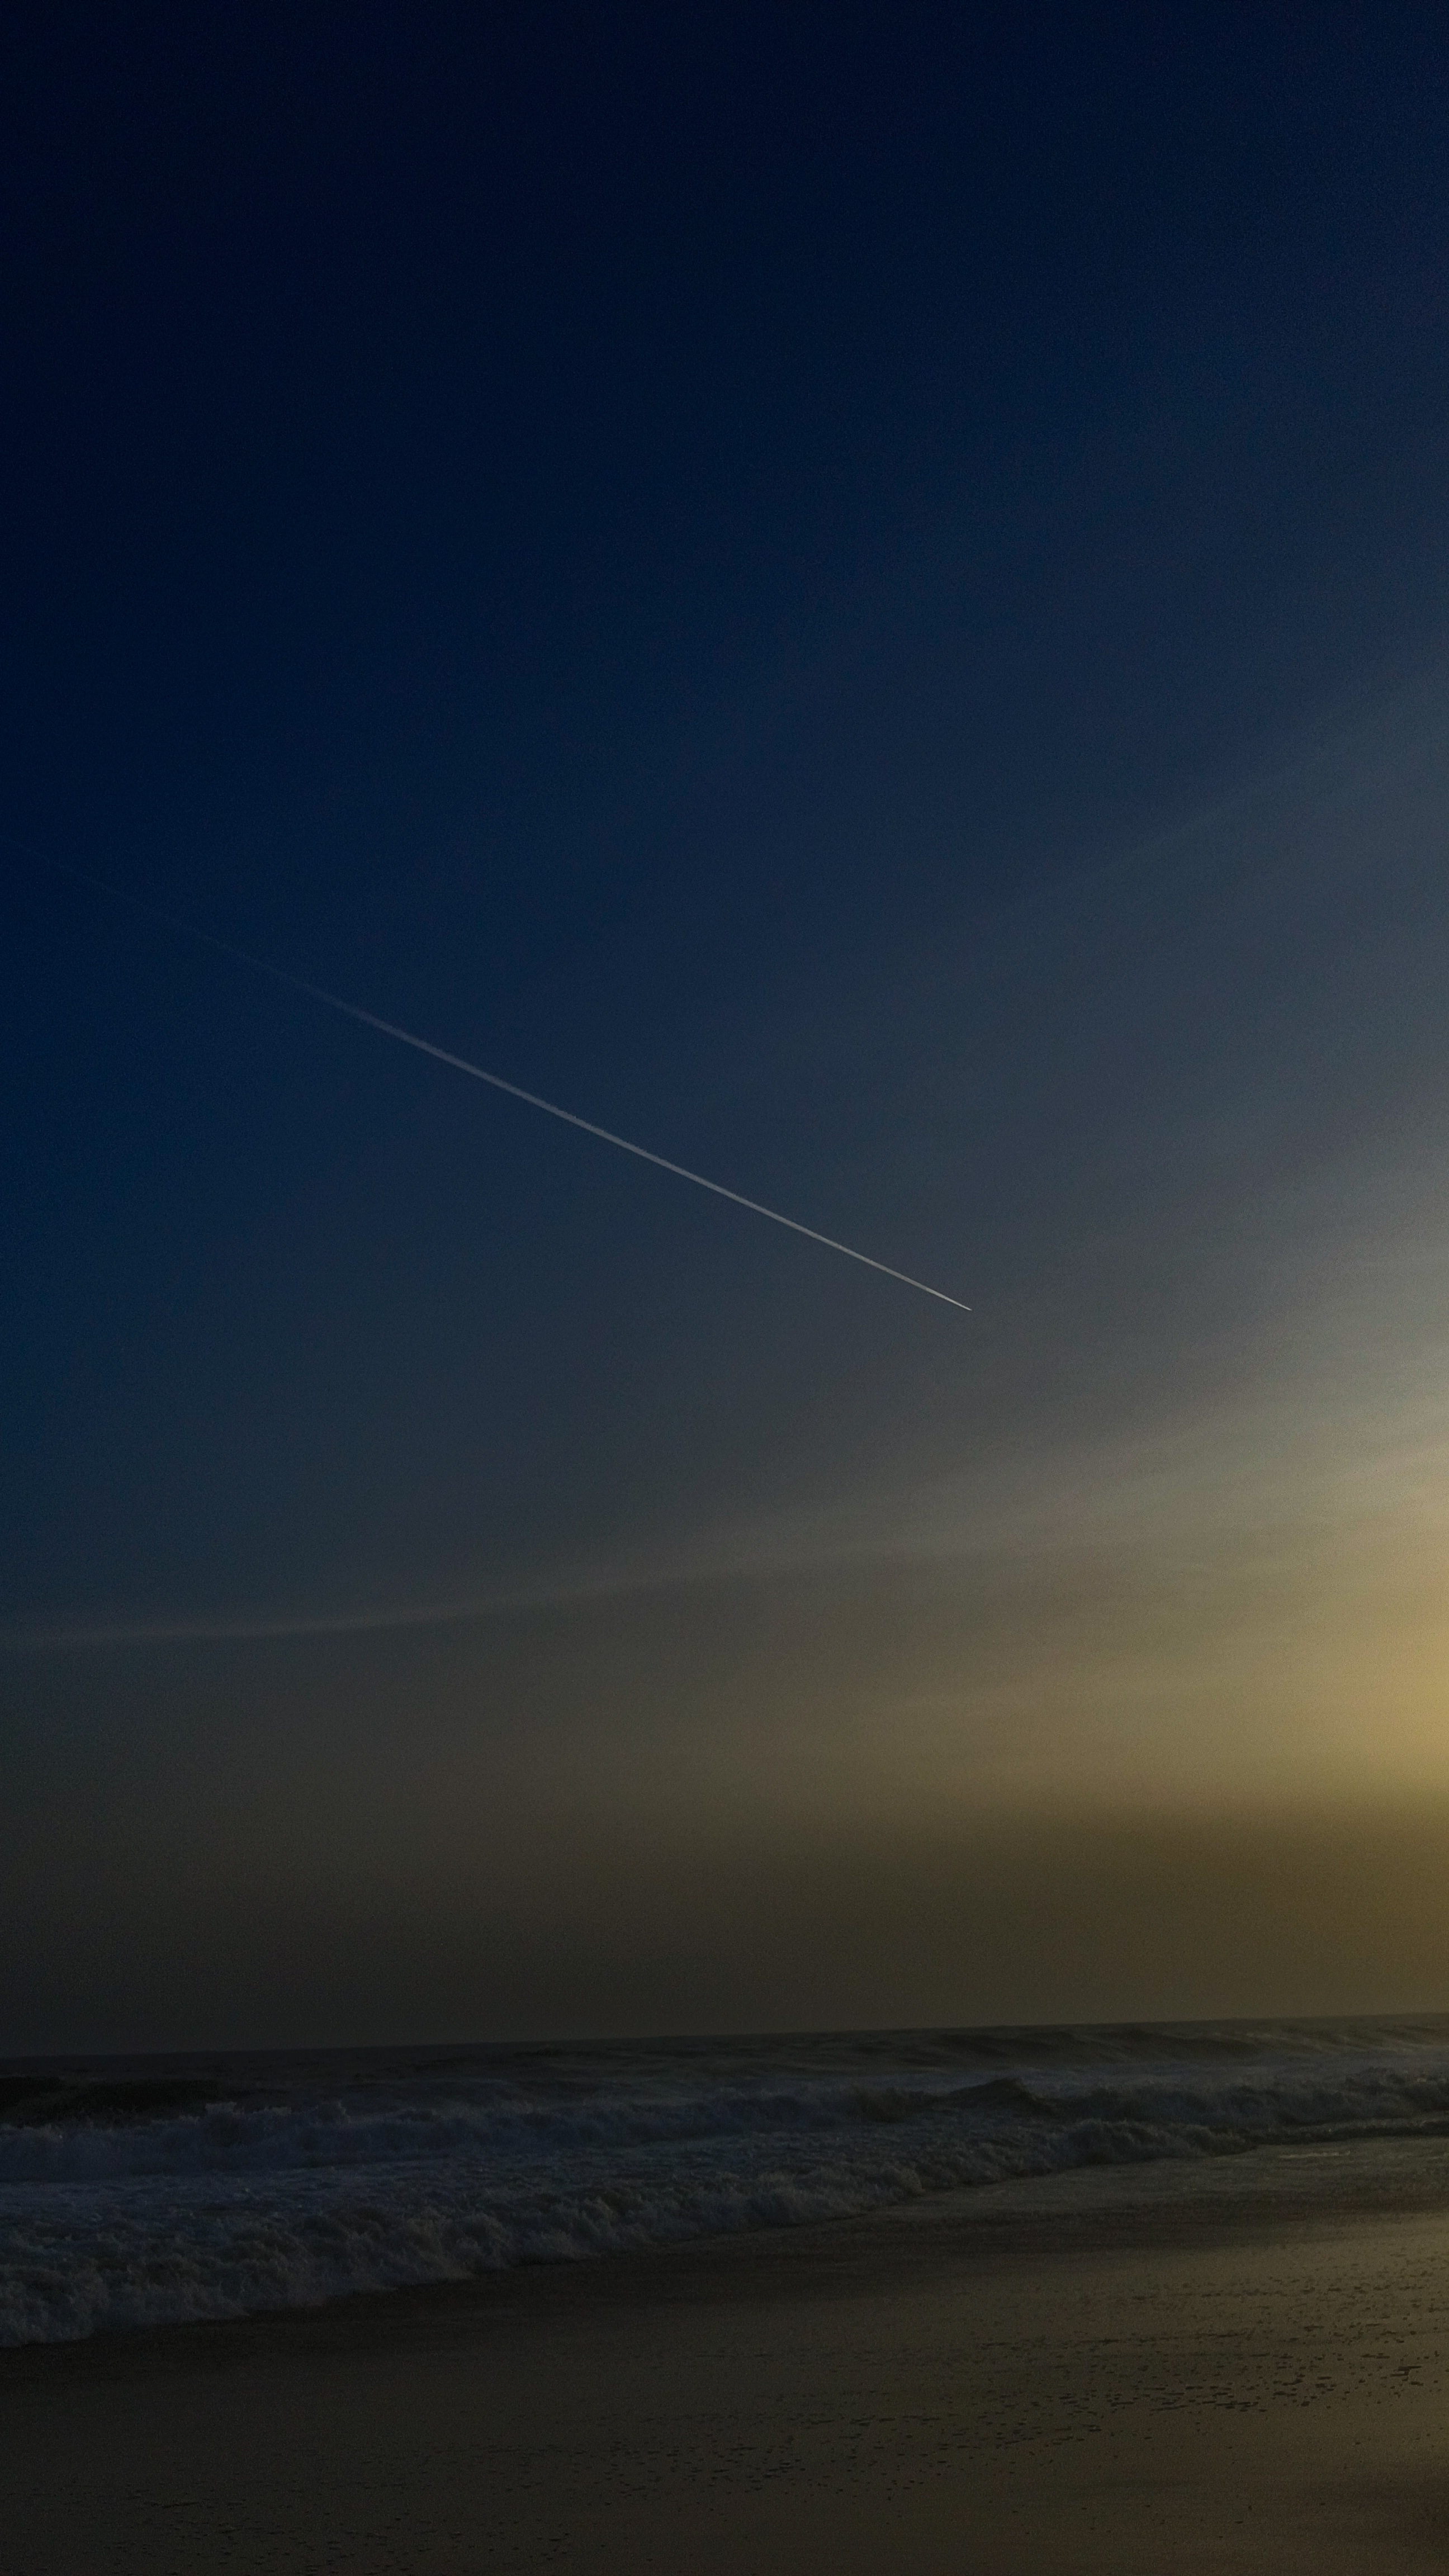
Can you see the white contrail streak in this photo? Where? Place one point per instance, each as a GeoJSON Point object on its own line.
{"type": "Point", "coordinates": [496, 1082]}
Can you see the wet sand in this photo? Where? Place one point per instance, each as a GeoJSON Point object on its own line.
{"type": "Point", "coordinates": [1093, 2374]}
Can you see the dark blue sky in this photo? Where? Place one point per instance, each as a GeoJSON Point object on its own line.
{"type": "Point", "coordinates": [855, 594]}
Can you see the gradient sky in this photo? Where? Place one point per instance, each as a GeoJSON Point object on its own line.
{"type": "Point", "coordinates": [862, 597]}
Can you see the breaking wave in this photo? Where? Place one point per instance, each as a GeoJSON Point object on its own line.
{"type": "Point", "coordinates": [151, 2193]}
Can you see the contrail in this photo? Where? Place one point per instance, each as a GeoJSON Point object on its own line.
{"type": "Point", "coordinates": [477, 1073]}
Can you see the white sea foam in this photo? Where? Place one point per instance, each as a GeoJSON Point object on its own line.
{"type": "Point", "coordinates": [149, 2193]}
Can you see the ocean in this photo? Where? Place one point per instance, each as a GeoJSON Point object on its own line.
{"type": "Point", "coordinates": [138, 2191]}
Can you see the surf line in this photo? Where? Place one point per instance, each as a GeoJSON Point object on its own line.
{"type": "Point", "coordinates": [477, 1072]}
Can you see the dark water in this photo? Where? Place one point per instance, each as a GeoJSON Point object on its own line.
{"type": "Point", "coordinates": [134, 2191]}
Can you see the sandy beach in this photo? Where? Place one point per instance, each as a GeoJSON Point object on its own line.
{"type": "Point", "coordinates": [1091, 2373]}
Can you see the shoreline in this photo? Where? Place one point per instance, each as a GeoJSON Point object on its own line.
{"type": "Point", "coordinates": [1157, 2204]}
{"type": "Point", "coordinates": [1103, 2370]}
